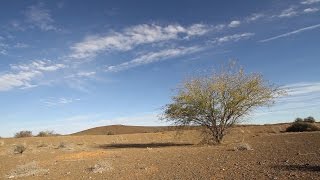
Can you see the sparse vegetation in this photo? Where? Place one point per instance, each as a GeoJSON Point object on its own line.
{"type": "Point", "coordinates": [46, 133]}
{"type": "Point", "coordinates": [110, 133]}
{"type": "Point", "coordinates": [26, 170]}
{"type": "Point", "coordinates": [242, 147]}
{"type": "Point", "coordinates": [62, 145]}
{"type": "Point", "coordinates": [23, 134]}
{"type": "Point", "coordinates": [302, 126]}
{"type": "Point", "coordinates": [309, 119]}
{"type": "Point", "coordinates": [20, 148]}
{"type": "Point", "coordinates": [298, 119]}
{"type": "Point", "coordinates": [219, 101]}
{"type": "Point", "coordinates": [41, 144]}
{"type": "Point", "coordinates": [100, 167]}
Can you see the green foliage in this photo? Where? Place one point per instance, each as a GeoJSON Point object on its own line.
{"type": "Point", "coordinates": [220, 100]}
{"type": "Point", "coordinates": [298, 119]}
{"type": "Point", "coordinates": [302, 126]}
{"type": "Point", "coordinates": [23, 134]}
{"type": "Point", "coordinates": [309, 119]}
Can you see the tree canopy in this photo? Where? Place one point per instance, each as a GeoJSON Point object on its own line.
{"type": "Point", "coordinates": [220, 100]}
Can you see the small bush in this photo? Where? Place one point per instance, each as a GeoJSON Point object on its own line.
{"type": "Point", "coordinates": [298, 119]}
{"type": "Point", "coordinates": [19, 149]}
{"type": "Point", "coordinates": [302, 126]}
{"type": "Point", "coordinates": [42, 145]}
{"type": "Point", "coordinates": [62, 145]}
{"type": "Point", "coordinates": [309, 119]}
{"type": "Point", "coordinates": [23, 134]}
{"type": "Point", "coordinates": [46, 133]}
{"type": "Point", "coordinates": [110, 133]}
{"type": "Point", "coordinates": [242, 147]}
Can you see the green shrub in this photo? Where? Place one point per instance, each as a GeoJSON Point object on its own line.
{"type": "Point", "coordinates": [309, 119]}
{"type": "Point", "coordinates": [23, 134]}
{"type": "Point", "coordinates": [298, 119]}
{"type": "Point", "coordinates": [302, 126]}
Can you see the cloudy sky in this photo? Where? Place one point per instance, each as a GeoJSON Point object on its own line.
{"type": "Point", "coordinates": [71, 65]}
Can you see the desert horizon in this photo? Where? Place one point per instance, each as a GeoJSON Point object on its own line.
{"type": "Point", "coordinates": [162, 89]}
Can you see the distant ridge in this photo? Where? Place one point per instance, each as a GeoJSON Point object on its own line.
{"type": "Point", "coordinates": [121, 129]}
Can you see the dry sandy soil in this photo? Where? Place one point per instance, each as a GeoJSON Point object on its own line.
{"type": "Point", "coordinates": [165, 155]}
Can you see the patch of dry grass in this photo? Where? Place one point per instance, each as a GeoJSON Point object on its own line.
{"type": "Point", "coordinates": [28, 169]}
{"type": "Point", "coordinates": [100, 167]}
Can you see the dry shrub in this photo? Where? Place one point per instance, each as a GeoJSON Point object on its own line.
{"type": "Point", "coordinates": [242, 147]}
{"type": "Point", "coordinates": [46, 133]}
{"type": "Point", "coordinates": [62, 145]}
{"type": "Point", "coordinates": [23, 134]}
{"type": "Point", "coordinates": [302, 126]}
{"type": "Point", "coordinates": [42, 145]}
{"type": "Point", "coordinates": [110, 133]}
{"type": "Point", "coordinates": [19, 149]}
{"type": "Point", "coordinates": [100, 167]}
{"type": "Point", "coordinates": [27, 170]}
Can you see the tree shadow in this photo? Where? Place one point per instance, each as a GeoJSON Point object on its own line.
{"type": "Point", "coordinates": [141, 145]}
{"type": "Point", "coordinates": [305, 167]}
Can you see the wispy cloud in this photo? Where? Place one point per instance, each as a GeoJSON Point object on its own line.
{"type": "Point", "coordinates": [303, 98]}
{"type": "Point", "coordinates": [134, 36]}
{"type": "Point", "coordinates": [22, 75]}
{"type": "Point", "coordinates": [288, 12]}
{"type": "Point", "coordinates": [303, 88]}
{"type": "Point", "coordinates": [232, 38]}
{"type": "Point", "coordinates": [3, 48]}
{"type": "Point", "coordinates": [50, 102]}
{"type": "Point", "coordinates": [254, 17]}
{"type": "Point", "coordinates": [310, 10]}
{"type": "Point", "coordinates": [310, 1]}
{"type": "Point", "coordinates": [291, 33]}
{"type": "Point", "coordinates": [234, 24]}
{"type": "Point", "coordinates": [152, 57]}
{"type": "Point", "coordinates": [82, 74]}
{"type": "Point", "coordinates": [20, 45]}
{"type": "Point", "coordinates": [40, 17]}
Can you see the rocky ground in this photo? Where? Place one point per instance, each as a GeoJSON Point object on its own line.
{"type": "Point", "coordinates": [248, 152]}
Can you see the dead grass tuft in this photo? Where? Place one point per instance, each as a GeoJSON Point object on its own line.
{"type": "Point", "coordinates": [242, 147]}
{"type": "Point", "coordinates": [27, 170]}
{"type": "Point", "coordinates": [100, 167]}
{"type": "Point", "coordinates": [20, 148]}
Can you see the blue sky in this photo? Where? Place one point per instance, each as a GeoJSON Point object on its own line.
{"type": "Point", "coordinates": [71, 65]}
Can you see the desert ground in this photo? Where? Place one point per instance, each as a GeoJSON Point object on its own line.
{"type": "Point", "coordinates": [247, 152]}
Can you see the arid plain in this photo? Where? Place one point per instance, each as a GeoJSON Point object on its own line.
{"type": "Point", "coordinates": [247, 152]}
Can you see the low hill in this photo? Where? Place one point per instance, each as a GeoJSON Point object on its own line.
{"type": "Point", "coordinates": [124, 129]}
{"type": "Point", "coordinates": [121, 129]}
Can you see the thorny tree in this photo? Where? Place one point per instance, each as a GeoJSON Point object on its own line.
{"type": "Point", "coordinates": [220, 100]}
